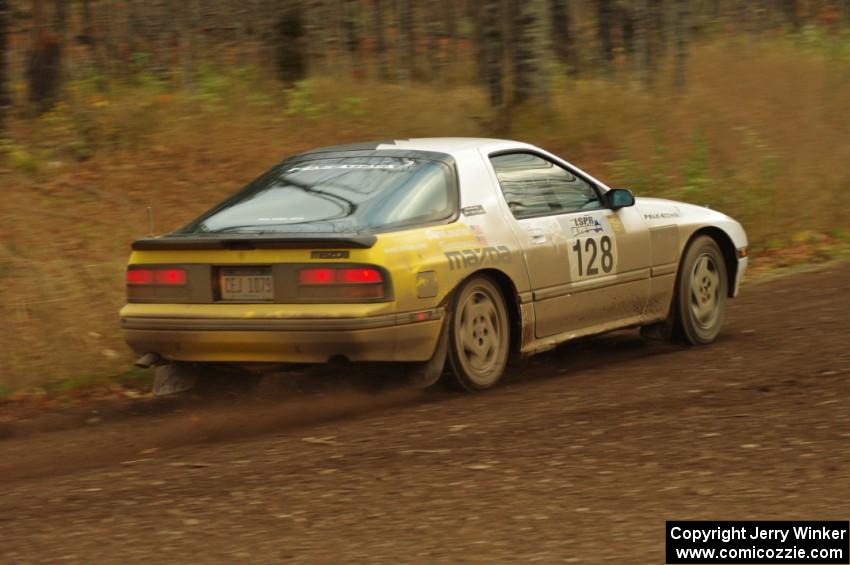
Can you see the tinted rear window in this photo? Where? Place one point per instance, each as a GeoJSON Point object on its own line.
{"type": "Point", "coordinates": [337, 194]}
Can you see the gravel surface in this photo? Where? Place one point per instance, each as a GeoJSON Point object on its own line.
{"type": "Point", "coordinates": [579, 458]}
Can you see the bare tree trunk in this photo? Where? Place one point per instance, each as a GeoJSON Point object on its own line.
{"type": "Point", "coordinates": [528, 49]}
{"type": "Point", "coordinates": [317, 57]}
{"type": "Point", "coordinates": [61, 26]}
{"type": "Point", "coordinates": [450, 25]}
{"type": "Point", "coordinates": [90, 36]}
{"type": "Point", "coordinates": [350, 22]}
{"type": "Point", "coordinates": [473, 7]}
{"type": "Point", "coordinates": [792, 14]}
{"type": "Point", "coordinates": [659, 33]}
{"type": "Point", "coordinates": [5, 102]}
{"type": "Point", "coordinates": [490, 24]}
{"type": "Point", "coordinates": [643, 44]}
{"type": "Point", "coordinates": [44, 64]}
{"type": "Point", "coordinates": [380, 38]}
{"type": "Point", "coordinates": [604, 23]}
{"type": "Point", "coordinates": [406, 39]}
{"type": "Point", "coordinates": [680, 27]}
{"type": "Point", "coordinates": [626, 18]}
{"type": "Point", "coordinates": [432, 30]}
{"type": "Point", "coordinates": [330, 22]}
{"type": "Point", "coordinates": [61, 18]}
{"type": "Point", "coordinates": [132, 28]}
{"type": "Point", "coordinates": [742, 16]}
{"type": "Point", "coordinates": [186, 39]}
{"type": "Point", "coordinates": [289, 51]}
{"type": "Point", "coordinates": [563, 44]}
{"type": "Point", "coordinates": [106, 8]}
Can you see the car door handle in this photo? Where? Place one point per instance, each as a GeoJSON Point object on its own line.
{"type": "Point", "coordinates": [537, 237]}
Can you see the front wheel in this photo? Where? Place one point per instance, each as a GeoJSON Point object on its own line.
{"type": "Point", "coordinates": [479, 335]}
{"type": "Point", "coordinates": [701, 292]}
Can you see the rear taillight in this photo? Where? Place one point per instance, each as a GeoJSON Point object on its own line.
{"type": "Point", "coordinates": [343, 275]}
{"type": "Point", "coordinates": [170, 277]}
{"type": "Point", "coordinates": [345, 283]}
{"type": "Point", "coordinates": [166, 276]}
{"type": "Point", "coordinates": [317, 276]}
{"type": "Point", "coordinates": [139, 276]}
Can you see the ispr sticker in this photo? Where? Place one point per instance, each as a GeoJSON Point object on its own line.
{"type": "Point", "coordinates": [583, 225]}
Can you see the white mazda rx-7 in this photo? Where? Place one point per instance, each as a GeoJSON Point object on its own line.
{"type": "Point", "coordinates": [444, 254]}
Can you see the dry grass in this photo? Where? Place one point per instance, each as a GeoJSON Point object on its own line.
{"type": "Point", "coordinates": [762, 134]}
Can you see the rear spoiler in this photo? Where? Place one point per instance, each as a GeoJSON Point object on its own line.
{"type": "Point", "coordinates": [291, 241]}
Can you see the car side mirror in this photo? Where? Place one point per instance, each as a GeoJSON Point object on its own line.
{"type": "Point", "coordinates": [620, 198]}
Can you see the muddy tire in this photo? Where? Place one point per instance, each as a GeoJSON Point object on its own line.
{"type": "Point", "coordinates": [479, 334]}
{"type": "Point", "coordinates": [701, 291]}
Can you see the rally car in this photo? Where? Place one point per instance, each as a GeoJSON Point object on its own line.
{"type": "Point", "coordinates": [449, 255]}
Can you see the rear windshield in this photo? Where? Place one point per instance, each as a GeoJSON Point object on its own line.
{"type": "Point", "coordinates": [337, 194]}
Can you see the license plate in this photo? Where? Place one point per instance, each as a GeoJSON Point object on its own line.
{"type": "Point", "coordinates": [246, 284]}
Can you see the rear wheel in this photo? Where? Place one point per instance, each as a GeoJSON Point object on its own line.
{"type": "Point", "coordinates": [701, 292]}
{"type": "Point", "coordinates": [479, 335]}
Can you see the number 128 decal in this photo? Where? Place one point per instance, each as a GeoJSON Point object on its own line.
{"type": "Point", "coordinates": [593, 256]}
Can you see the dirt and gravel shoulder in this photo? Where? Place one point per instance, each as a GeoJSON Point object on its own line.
{"type": "Point", "coordinates": [579, 458]}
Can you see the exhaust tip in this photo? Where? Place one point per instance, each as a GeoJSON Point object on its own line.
{"type": "Point", "coordinates": [149, 360]}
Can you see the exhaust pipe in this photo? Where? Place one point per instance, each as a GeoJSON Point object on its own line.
{"type": "Point", "coordinates": [149, 360]}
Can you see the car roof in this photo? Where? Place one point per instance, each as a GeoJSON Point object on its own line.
{"type": "Point", "coordinates": [449, 145]}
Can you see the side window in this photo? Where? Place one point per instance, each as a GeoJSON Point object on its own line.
{"type": "Point", "coordinates": [534, 186]}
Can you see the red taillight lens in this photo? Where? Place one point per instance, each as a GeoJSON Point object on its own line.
{"type": "Point", "coordinates": [317, 276]}
{"type": "Point", "coordinates": [345, 275]}
{"type": "Point", "coordinates": [170, 277]}
{"type": "Point", "coordinates": [359, 276]}
{"type": "Point", "coordinates": [332, 284]}
{"type": "Point", "coordinates": [139, 276]}
{"type": "Point", "coordinates": [158, 277]}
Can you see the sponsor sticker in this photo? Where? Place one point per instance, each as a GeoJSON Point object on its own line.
{"type": "Point", "coordinates": [662, 215]}
{"type": "Point", "coordinates": [476, 210]}
{"type": "Point", "coordinates": [468, 258]}
{"type": "Point", "coordinates": [616, 224]}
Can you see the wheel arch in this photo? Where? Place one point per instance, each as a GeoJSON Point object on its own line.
{"type": "Point", "coordinates": [727, 248]}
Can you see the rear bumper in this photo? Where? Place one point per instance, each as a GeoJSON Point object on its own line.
{"type": "Point", "coordinates": [393, 337]}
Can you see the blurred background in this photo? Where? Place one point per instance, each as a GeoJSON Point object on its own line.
{"type": "Point", "coordinates": [111, 107]}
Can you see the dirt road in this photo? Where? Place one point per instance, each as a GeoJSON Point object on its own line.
{"type": "Point", "coordinates": [579, 458]}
